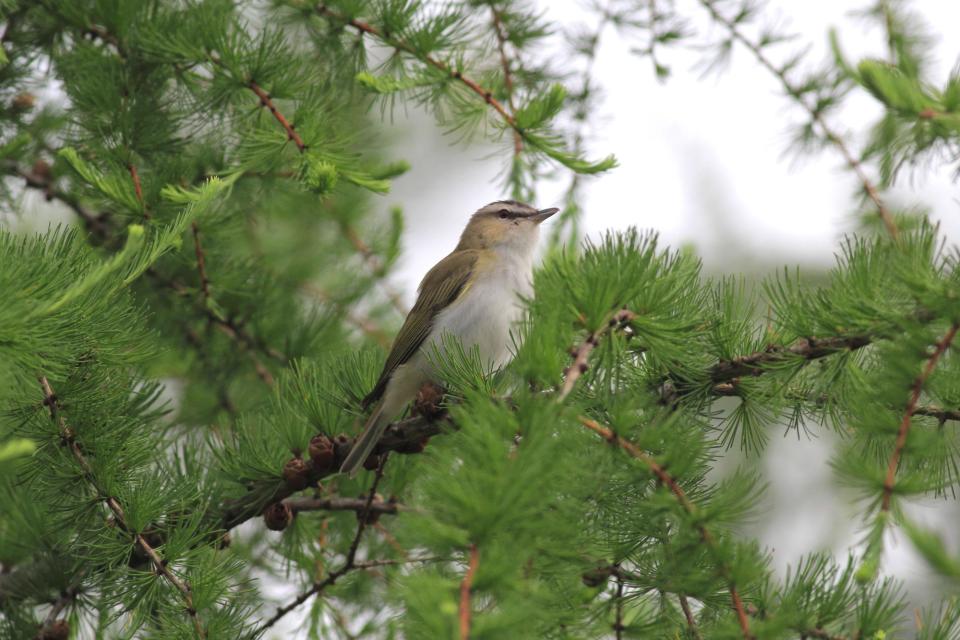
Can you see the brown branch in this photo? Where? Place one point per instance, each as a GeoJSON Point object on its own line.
{"type": "Point", "coordinates": [43, 181]}
{"type": "Point", "coordinates": [51, 625]}
{"type": "Point", "coordinates": [916, 389]}
{"type": "Point", "coordinates": [400, 436]}
{"type": "Point", "coordinates": [344, 504]}
{"type": "Point", "coordinates": [618, 607]}
{"type": "Point", "coordinates": [68, 437]}
{"type": "Point", "coordinates": [815, 114]}
{"type": "Point", "coordinates": [936, 412]}
{"type": "Point", "coordinates": [465, 586]}
{"type": "Point", "coordinates": [688, 614]}
{"type": "Point", "coordinates": [400, 45]}
{"type": "Point", "coordinates": [373, 564]}
{"type": "Point", "coordinates": [201, 263]}
{"type": "Point", "coordinates": [138, 189]}
{"type": "Point", "coordinates": [372, 260]}
{"type": "Point", "coordinates": [349, 563]}
{"type": "Point", "coordinates": [668, 480]}
{"type": "Point", "coordinates": [806, 348]}
{"type": "Point", "coordinates": [500, 32]}
{"type": "Point", "coordinates": [581, 353]}
{"type": "Point", "coordinates": [267, 101]}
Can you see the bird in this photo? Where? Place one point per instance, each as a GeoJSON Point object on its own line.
{"type": "Point", "coordinates": [474, 294]}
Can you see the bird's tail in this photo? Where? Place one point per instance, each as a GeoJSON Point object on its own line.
{"type": "Point", "coordinates": [366, 441]}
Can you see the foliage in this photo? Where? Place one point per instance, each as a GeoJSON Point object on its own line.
{"type": "Point", "coordinates": [184, 368]}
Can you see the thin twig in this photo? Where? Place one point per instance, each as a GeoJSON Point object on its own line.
{"type": "Point", "coordinates": [806, 348]}
{"type": "Point", "coordinates": [372, 260]}
{"type": "Point", "coordinates": [400, 45]}
{"type": "Point", "coordinates": [68, 437]}
{"type": "Point", "coordinates": [936, 412]}
{"type": "Point", "coordinates": [349, 563]}
{"type": "Point", "coordinates": [66, 597]}
{"type": "Point", "coordinates": [344, 504]}
{"type": "Point", "coordinates": [138, 189]}
{"type": "Point", "coordinates": [201, 263]}
{"type": "Point", "coordinates": [668, 480]}
{"type": "Point", "coordinates": [618, 607]}
{"type": "Point", "coordinates": [815, 114]}
{"type": "Point", "coordinates": [915, 390]}
{"type": "Point", "coordinates": [399, 436]}
{"type": "Point", "coordinates": [501, 35]}
{"type": "Point", "coordinates": [465, 586]}
{"type": "Point", "coordinates": [581, 353]}
{"type": "Point", "coordinates": [688, 614]}
{"type": "Point", "coordinates": [44, 182]}
{"type": "Point", "coordinates": [267, 101]}
{"type": "Point", "coordinates": [373, 564]}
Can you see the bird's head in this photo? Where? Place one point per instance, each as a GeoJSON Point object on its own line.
{"type": "Point", "coordinates": [505, 225]}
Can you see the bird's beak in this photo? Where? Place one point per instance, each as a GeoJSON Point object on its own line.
{"type": "Point", "coordinates": [543, 214]}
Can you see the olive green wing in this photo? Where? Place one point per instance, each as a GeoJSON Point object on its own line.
{"type": "Point", "coordinates": [443, 284]}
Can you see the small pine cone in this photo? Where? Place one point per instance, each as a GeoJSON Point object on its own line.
{"type": "Point", "coordinates": [413, 447]}
{"type": "Point", "coordinates": [372, 463]}
{"type": "Point", "coordinates": [56, 630]}
{"type": "Point", "coordinates": [341, 447]}
{"type": "Point", "coordinates": [428, 402]}
{"type": "Point", "coordinates": [296, 473]}
{"type": "Point", "coordinates": [321, 453]}
{"type": "Point", "coordinates": [24, 101]}
{"type": "Point", "coordinates": [596, 577]}
{"type": "Point", "coordinates": [277, 516]}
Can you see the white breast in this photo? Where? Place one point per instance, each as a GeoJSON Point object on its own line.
{"type": "Point", "coordinates": [484, 315]}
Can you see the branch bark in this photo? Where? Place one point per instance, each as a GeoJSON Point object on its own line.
{"type": "Point", "coordinates": [465, 586]}
{"type": "Point", "coordinates": [889, 481]}
{"type": "Point", "coordinates": [68, 437]}
{"type": "Point", "coordinates": [680, 495]}
{"type": "Point", "coordinates": [349, 563]}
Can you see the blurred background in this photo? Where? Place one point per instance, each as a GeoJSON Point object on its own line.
{"type": "Point", "coordinates": [705, 160]}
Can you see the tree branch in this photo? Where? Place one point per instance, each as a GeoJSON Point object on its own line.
{"type": "Point", "coordinates": [337, 503]}
{"type": "Point", "coordinates": [68, 436]}
{"type": "Point", "coordinates": [399, 436]}
{"type": "Point", "coordinates": [349, 564]}
{"type": "Point", "coordinates": [668, 480]}
{"type": "Point", "coordinates": [581, 353]}
{"type": "Point", "coordinates": [916, 389]}
{"type": "Point", "coordinates": [815, 114]}
{"type": "Point", "coordinates": [806, 348]}
{"type": "Point", "coordinates": [201, 263]}
{"type": "Point", "coordinates": [501, 35]}
{"type": "Point", "coordinates": [465, 586]}
{"type": "Point", "coordinates": [400, 45]}
{"type": "Point", "coordinates": [43, 181]}
{"type": "Point", "coordinates": [266, 101]}
{"type": "Point", "coordinates": [618, 607]}
{"type": "Point", "coordinates": [688, 614]}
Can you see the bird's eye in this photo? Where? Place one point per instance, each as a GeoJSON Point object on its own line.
{"type": "Point", "coordinates": [504, 213]}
